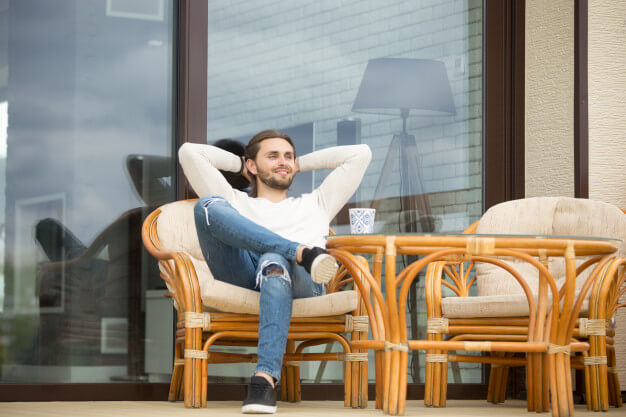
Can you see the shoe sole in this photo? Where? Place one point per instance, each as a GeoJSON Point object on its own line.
{"type": "Point", "coordinates": [323, 269]}
{"type": "Point", "coordinates": [258, 409]}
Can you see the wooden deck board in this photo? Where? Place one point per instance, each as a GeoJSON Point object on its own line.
{"type": "Point", "coordinates": [232, 408]}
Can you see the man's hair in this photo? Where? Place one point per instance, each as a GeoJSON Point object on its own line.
{"type": "Point", "coordinates": [236, 181]}
{"type": "Point", "coordinates": [253, 147]}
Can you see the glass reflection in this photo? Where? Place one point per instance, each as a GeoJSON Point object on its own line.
{"type": "Point", "coordinates": [88, 95]}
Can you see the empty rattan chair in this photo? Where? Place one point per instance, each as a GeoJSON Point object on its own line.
{"type": "Point", "coordinates": [500, 309]}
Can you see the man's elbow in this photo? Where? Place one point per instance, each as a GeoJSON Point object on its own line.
{"type": "Point", "coordinates": [365, 153]}
{"type": "Point", "coordinates": [185, 152]}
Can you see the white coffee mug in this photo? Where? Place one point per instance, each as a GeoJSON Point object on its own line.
{"type": "Point", "coordinates": [362, 220]}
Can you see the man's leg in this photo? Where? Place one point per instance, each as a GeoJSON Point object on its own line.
{"type": "Point", "coordinates": [215, 216]}
{"type": "Point", "coordinates": [280, 282]}
{"type": "Point", "coordinates": [273, 275]}
{"type": "Point", "coordinates": [302, 284]}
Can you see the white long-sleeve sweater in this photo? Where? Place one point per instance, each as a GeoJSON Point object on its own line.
{"type": "Point", "coordinates": [304, 219]}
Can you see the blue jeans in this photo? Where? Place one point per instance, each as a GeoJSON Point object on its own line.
{"type": "Point", "coordinates": [243, 253]}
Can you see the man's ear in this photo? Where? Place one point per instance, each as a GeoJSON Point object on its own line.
{"type": "Point", "coordinates": [251, 166]}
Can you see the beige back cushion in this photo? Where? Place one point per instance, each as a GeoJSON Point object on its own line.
{"type": "Point", "coordinates": [176, 229]}
{"type": "Point", "coordinates": [545, 216]}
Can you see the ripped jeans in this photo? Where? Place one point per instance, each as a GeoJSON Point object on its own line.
{"type": "Point", "coordinates": [243, 253]}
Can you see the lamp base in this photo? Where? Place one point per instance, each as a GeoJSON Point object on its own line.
{"type": "Point", "coordinates": [413, 200]}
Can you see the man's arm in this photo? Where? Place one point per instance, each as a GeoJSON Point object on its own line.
{"type": "Point", "coordinates": [201, 165]}
{"type": "Point", "coordinates": [348, 164]}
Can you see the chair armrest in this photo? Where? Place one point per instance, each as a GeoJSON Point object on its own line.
{"type": "Point", "coordinates": [180, 274]}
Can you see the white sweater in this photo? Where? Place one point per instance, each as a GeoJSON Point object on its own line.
{"type": "Point", "coordinates": [304, 219]}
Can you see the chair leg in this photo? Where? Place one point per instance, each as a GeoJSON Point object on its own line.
{"type": "Point", "coordinates": [444, 384]}
{"type": "Point", "coordinates": [359, 376]}
{"type": "Point", "coordinates": [537, 382]}
{"type": "Point", "coordinates": [176, 384]}
{"type": "Point", "coordinates": [292, 383]}
{"type": "Point", "coordinates": [496, 392]}
{"type": "Point", "coordinates": [356, 385]}
{"type": "Point", "coordinates": [435, 381]}
{"type": "Point", "coordinates": [504, 378]}
{"type": "Point", "coordinates": [428, 383]}
{"type": "Point", "coordinates": [386, 380]}
{"type": "Point", "coordinates": [175, 391]}
{"type": "Point", "coordinates": [500, 388]}
{"type": "Point", "coordinates": [441, 382]}
{"type": "Point", "coordinates": [291, 379]}
{"type": "Point", "coordinates": [494, 374]}
{"type": "Point", "coordinates": [363, 384]}
{"type": "Point", "coordinates": [378, 364]}
{"type": "Point", "coordinates": [283, 383]}
{"type": "Point", "coordinates": [615, 393]}
{"type": "Point", "coordinates": [544, 399]}
{"type": "Point", "coordinates": [598, 377]}
{"type": "Point", "coordinates": [291, 394]}
{"type": "Point", "coordinates": [347, 383]}
{"type": "Point", "coordinates": [560, 384]}
{"type": "Point", "coordinates": [181, 391]}
{"type": "Point", "coordinates": [296, 384]}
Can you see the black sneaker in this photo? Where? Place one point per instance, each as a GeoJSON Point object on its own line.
{"type": "Point", "coordinates": [261, 397]}
{"type": "Point", "coordinates": [321, 266]}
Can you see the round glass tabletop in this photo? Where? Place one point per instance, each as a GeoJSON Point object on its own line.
{"type": "Point", "coordinates": [486, 235]}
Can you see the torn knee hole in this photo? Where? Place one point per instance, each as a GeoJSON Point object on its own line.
{"type": "Point", "coordinates": [273, 269]}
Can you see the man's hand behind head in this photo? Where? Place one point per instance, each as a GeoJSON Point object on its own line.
{"type": "Point", "coordinates": [238, 181]}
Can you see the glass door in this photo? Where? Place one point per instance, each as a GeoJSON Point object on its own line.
{"type": "Point", "coordinates": [86, 124]}
{"type": "Point", "coordinates": [406, 78]}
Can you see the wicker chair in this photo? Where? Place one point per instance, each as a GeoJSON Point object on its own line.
{"type": "Point", "coordinates": [500, 311]}
{"type": "Point", "coordinates": [212, 312]}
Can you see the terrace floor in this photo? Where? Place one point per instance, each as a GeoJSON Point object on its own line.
{"type": "Point", "coordinates": [303, 409]}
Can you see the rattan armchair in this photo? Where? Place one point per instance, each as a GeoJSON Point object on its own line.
{"type": "Point", "coordinates": [499, 314]}
{"type": "Point", "coordinates": [211, 312]}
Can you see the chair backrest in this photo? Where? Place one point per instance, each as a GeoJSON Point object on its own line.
{"type": "Point", "coordinates": [176, 228]}
{"type": "Point", "coordinates": [546, 216]}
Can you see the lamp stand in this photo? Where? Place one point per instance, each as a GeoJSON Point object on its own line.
{"type": "Point", "coordinates": [413, 200]}
{"type": "Point", "coordinates": [414, 203]}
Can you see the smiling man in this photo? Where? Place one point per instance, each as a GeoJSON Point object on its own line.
{"type": "Point", "coordinates": [266, 241]}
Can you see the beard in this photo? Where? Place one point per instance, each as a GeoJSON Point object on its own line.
{"type": "Point", "coordinates": [272, 181]}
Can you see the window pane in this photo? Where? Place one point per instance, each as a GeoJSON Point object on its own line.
{"type": "Point", "coordinates": [86, 134]}
{"type": "Point", "coordinates": [326, 65]}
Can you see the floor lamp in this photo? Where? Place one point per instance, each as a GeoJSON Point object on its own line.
{"type": "Point", "coordinates": [401, 85]}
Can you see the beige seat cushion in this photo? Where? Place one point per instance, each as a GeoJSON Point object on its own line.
{"type": "Point", "coordinates": [177, 232]}
{"type": "Point", "coordinates": [490, 306]}
{"type": "Point", "coordinates": [499, 294]}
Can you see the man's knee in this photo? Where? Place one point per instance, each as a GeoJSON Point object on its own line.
{"type": "Point", "coordinates": [204, 206]}
{"type": "Point", "coordinates": [273, 265]}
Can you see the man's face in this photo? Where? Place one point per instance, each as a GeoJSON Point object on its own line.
{"type": "Point", "coordinates": [275, 163]}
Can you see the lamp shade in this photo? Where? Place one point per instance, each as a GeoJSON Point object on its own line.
{"type": "Point", "coordinates": [417, 85]}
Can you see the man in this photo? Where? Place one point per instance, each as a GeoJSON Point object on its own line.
{"type": "Point", "coordinates": [268, 242]}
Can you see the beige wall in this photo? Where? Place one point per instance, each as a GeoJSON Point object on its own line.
{"type": "Point", "coordinates": [607, 121]}
{"type": "Point", "coordinates": [549, 107]}
{"type": "Point", "coordinates": [549, 98]}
